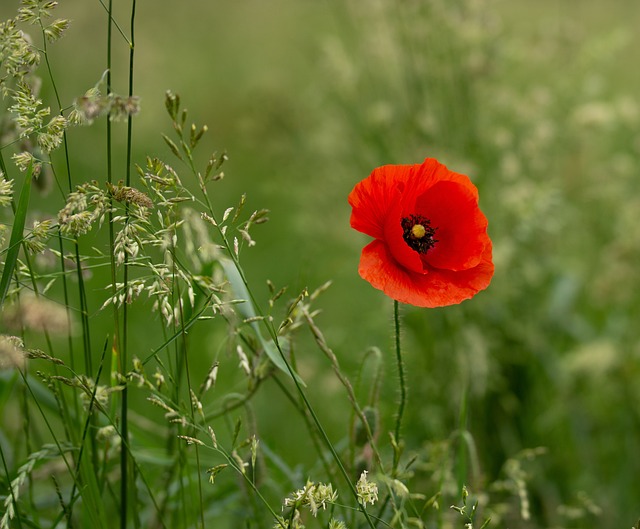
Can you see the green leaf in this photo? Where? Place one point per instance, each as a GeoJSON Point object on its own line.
{"type": "Point", "coordinates": [94, 513]}
{"type": "Point", "coordinates": [16, 235]}
{"type": "Point", "coordinates": [247, 311]}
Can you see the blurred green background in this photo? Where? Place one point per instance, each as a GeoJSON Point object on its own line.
{"type": "Point", "coordinates": [536, 101]}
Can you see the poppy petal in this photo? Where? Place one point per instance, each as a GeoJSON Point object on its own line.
{"type": "Point", "coordinates": [437, 288]}
{"type": "Point", "coordinates": [448, 287]}
{"type": "Point", "coordinates": [427, 174]}
{"type": "Point", "coordinates": [373, 197]}
{"type": "Point", "coordinates": [461, 228]}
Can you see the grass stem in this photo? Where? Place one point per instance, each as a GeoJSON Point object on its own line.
{"type": "Point", "coordinates": [124, 459]}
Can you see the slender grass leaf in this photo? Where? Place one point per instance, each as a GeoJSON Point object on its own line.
{"type": "Point", "coordinates": [94, 514]}
{"type": "Point", "coordinates": [16, 235]}
{"type": "Point", "coordinates": [248, 311]}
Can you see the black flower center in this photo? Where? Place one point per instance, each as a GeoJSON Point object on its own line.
{"type": "Point", "coordinates": [418, 233]}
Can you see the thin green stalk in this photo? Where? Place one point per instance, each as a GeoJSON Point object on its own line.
{"type": "Point", "coordinates": [84, 312]}
{"type": "Point", "coordinates": [3, 167]}
{"type": "Point", "coordinates": [65, 290]}
{"type": "Point", "coordinates": [233, 463]}
{"type": "Point", "coordinates": [124, 353]}
{"type": "Point", "coordinates": [46, 60]}
{"type": "Point", "coordinates": [131, 71]}
{"type": "Point", "coordinates": [310, 427]}
{"type": "Point", "coordinates": [188, 375]}
{"type": "Point", "coordinates": [329, 444]}
{"type": "Point", "coordinates": [182, 455]}
{"type": "Point", "coordinates": [109, 180]}
{"type": "Point", "coordinates": [112, 260]}
{"type": "Point", "coordinates": [113, 21]}
{"type": "Point", "coordinates": [403, 389]}
{"type": "Point", "coordinates": [124, 395]}
{"type": "Point", "coordinates": [88, 421]}
{"type": "Point", "coordinates": [118, 339]}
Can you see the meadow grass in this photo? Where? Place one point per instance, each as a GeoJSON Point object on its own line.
{"type": "Point", "coordinates": [172, 353]}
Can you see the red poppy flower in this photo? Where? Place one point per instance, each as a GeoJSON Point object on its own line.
{"type": "Point", "coordinates": [431, 246]}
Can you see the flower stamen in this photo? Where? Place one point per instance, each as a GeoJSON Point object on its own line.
{"type": "Point", "coordinates": [418, 233]}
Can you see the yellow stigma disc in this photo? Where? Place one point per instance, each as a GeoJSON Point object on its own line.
{"type": "Point", "coordinates": [418, 231]}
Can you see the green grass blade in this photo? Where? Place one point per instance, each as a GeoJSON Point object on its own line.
{"type": "Point", "coordinates": [248, 311]}
{"type": "Point", "coordinates": [16, 235]}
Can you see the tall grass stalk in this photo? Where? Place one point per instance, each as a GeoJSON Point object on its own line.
{"type": "Point", "coordinates": [124, 463]}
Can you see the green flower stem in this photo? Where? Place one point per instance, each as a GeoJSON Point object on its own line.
{"type": "Point", "coordinates": [403, 389]}
{"type": "Point", "coordinates": [401, 404]}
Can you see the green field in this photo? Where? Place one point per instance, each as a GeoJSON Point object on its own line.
{"type": "Point", "coordinates": [527, 394]}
